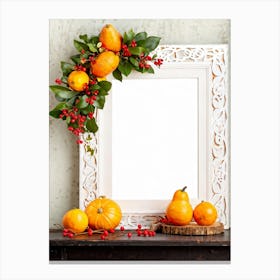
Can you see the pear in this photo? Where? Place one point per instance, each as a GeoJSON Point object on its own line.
{"type": "Point", "coordinates": [110, 38]}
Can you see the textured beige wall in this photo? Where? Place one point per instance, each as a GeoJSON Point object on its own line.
{"type": "Point", "coordinates": [63, 151]}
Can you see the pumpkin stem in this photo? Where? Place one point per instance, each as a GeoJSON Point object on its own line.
{"type": "Point", "coordinates": [102, 196]}
{"type": "Point", "coordinates": [183, 189]}
{"type": "Point", "coordinates": [99, 210]}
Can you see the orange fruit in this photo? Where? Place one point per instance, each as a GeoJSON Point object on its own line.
{"type": "Point", "coordinates": [179, 212]}
{"type": "Point", "coordinates": [104, 64]}
{"type": "Point", "coordinates": [75, 220]}
{"type": "Point", "coordinates": [110, 38]}
{"type": "Point", "coordinates": [77, 80]}
{"type": "Point", "coordinates": [205, 213]}
{"type": "Point", "coordinates": [181, 194]}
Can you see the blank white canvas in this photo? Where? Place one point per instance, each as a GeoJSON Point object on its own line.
{"type": "Point", "coordinates": [154, 138]}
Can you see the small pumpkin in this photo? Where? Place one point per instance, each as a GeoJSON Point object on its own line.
{"type": "Point", "coordinates": [181, 194]}
{"type": "Point", "coordinates": [103, 213]}
{"type": "Point", "coordinates": [205, 213]}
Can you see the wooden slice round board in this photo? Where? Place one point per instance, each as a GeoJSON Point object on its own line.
{"type": "Point", "coordinates": [190, 229]}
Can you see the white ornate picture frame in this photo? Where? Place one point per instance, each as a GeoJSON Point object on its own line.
{"type": "Point", "coordinates": [211, 64]}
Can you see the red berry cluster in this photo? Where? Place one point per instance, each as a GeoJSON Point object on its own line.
{"type": "Point", "coordinates": [126, 51]}
{"type": "Point", "coordinates": [133, 44]}
{"type": "Point", "coordinates": [158, 62]}
{"type": "Point", "coordinates": [58, 81]}
{"type": "Point", "coordinates": [141, 232]}
{"type": "Point", "coordinates": [143, 63]}
{"type": "Point", "coordinates": [68, 233]}
{"type": "Point", "coordinates": [80, 68]}
{"type": "Point", "coordinates": [144, 232]}
{"type": "Point", "coordinates": [76, 119]}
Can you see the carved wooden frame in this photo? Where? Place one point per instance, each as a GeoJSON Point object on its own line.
{"type": "Point", "coordinates": [217, 189]}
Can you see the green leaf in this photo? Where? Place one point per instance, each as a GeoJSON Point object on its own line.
{"type": "Point", "coordinates": [105, 85]}
{"type": "Point", "coordinates": [82, 102]}
{"type": "Point", "coordinates": [92, 47]}
{"type": "Point", "coordinates": [150, 70]}
{"type": "Point", "coordinates": [91, 125]}
{"type": "Point", "coordinates": [61, 106]}
{"type": "Point", "coordinates": [84, 38]}
{"type": "Point", "coordinates": [128, 36]}
{"type": "Point", "coordinates": [64, 79]}
{"type": "Point", "coordinates": [134, 62]}
{"type": "Point", "coordinates": [71, 101]}
{"type": "Point", "coordinates": [63, 92]}
{"type": "Point", "coordinates": [151, 43]}
{"type": "Point", "coordinates": [117, 74]}
{"type": "Point", "coordinates": [55, 113]}
{"type": "Point", "coordinates": [76, 58]}
{"type": "Point", "coordinates": [94, 87]}
{"type": "Point", "coordinates": [140, 36]}
{"type": "Point", "coordinates": [125, 68]}
{"type": "Point", "coordinates": [68, 119]}
{"type": "Point", "coordinates": [87, 109]}
{"type": "Point", "coordinates": [66, 68]}
{"type": "Point", "coordinates": [99, 102]}
{"type": "Point", "coordinates": [102, 92]}
{"type": "Point", "coordinates": [80, 46]}
{"type": "Point", "coordinates": [136, 50]}
{"type": "Point", "coordinates": [94, 40]}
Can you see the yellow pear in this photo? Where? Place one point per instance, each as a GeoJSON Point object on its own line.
{"type": "Point", "coordinates": [110, 38]}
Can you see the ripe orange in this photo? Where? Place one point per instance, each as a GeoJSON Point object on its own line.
{"type": "Point", "coordinates": [110, 38]}
{"type": "Point", "coordinates": [105, 63]}
{"type": "Point", "coordinates": [75, 220]}
{"type": "Point", "coordinates": [205, 213]}
{"type": "Point", "coordinates": [77, 80]}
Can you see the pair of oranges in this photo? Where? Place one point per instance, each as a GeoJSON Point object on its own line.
{"type": "Point", "coordinates": [104, 64]}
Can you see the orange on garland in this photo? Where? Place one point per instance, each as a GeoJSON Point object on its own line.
{"type": "Point", "coordinates": [77, 80]}
{"type": "Point", "coordinates": [104, 64]}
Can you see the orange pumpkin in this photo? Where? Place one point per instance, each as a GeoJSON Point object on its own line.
{"type": "Point", "coordinates": [205, 213]}
{"type": "Point", "coordinates": [181, 195]}
{"type": "Point", "coordinates": [103, 213]}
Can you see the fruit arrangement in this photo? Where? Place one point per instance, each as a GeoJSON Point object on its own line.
{"type": "Point", "coordinates": [83, 86]}
{"type": "Point", "coordinates": [180, 212]}
{"type": "Point", "coordinates": [101, 216]}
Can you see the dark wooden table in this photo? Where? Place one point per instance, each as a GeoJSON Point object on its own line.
{"type": "Point", "coordinates": [118, 247]}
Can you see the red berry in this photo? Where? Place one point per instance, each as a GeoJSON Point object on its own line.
{"type": "Point", "coordinates": [129, 234]}
{"type": "Point", "coordinates": [70, 235]}
{"type": "Point", "coordinates": [139, 232]}
{"type": "Point", "coordinates": [90, 232]}
{"type": "Point", "coordinates": [122, 228]}
{"type": "Point", "coordinates": [58, 81]}
{"type": "Point", "coordinates": [102, 237]}
{"type": "Point", "coordinates": [112, 230]}
{"type": "Point", "coordinates": [105, 233]}
{"type": "Point", "coordinates": [139, 226]}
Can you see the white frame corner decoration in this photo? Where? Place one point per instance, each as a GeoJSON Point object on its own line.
{"type": "Point", "coordinates": [214, 134]}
